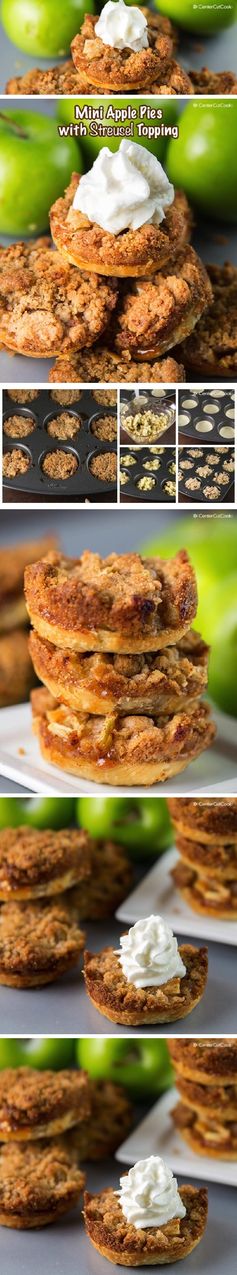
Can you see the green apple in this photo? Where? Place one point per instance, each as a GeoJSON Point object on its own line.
{"type": "Point", "coordinates": [36, 1051]}
{"type": "Point", "coordinates": [35, 166]}
{"type": "Point", "coordinates": [222, 682]}
{"type": "Point", "coordinates": [91, 145]}
{"type": "Point", "coordinates": [44, 28]}
{"type": "Point", "coordinates": [40, 812]}
{"type": "Point", "coordinates": [212, 546]}
{"type": "Point", "coordinates": [203, 159]}
{"type": "Point", "coordinates": [142, 824]}
{"type": "Point", "coordinates": [205, 19]}
{"type": "Point", "coordinates": [142, 1066]}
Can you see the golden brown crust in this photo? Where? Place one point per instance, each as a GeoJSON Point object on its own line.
{"type": "Point", "coordinates": [206, 819]}
{"type": "Point", "coordinates": [122, 69]}
{"type": "Point", "coordinates": [209, 858]}
{"type": "Point", "coordinates": [122, 1002]}
{"type": "Point", "coordinates": [54, 81]}
{"type": "Point", "coordinates": [121, 603]}
{"type": "Point", "coordinates": [215, 1138]}
{"type": "Point", "coordinates": [217, 1100]}
{"type": "Point", "coordinates": [13, 561]}
{"type": "Point", "coordinates": [123, 683]}
{"type": "Point", "coordinates": [176, 81]}
{"type": "Point", "coordinates": [38, 942]}
{"type": "Point", "coordinates": [109, 882]}
{"type": "Point", "coordinates": [206, 1061]}
{"type": "Point", "coordinates": [212, 350]}
{"type": "Point", "coordinates": [64, 426]}
{"type": "Point", "coordinates": [36, 862]}
{"type": "Point", "coordinates": [17, 676]}
{"type": "Point", "coordinates": [109, 1122]}
{"type": "Point", "coordinates": [46, 306]}
{"type": "Point", "coordinates": [19, 426]}
{"type": "Point", "coordinates": [208, 896]}
{"type": "Point", "coordinates": [156, 314]}
{"type": "Point", "coordinates": [35, 1104]}
{"type": "Point", "coordinates": [38, 1183]}
{"type": "Point", "coordinates": [219, 82]}
{"type": "Point", "coordinates": [122, 1244]}
{"type": "Point", "coordinates": [134, 252]}
{"type": "Point", "coordinates": [102, 364]}
{"type": "Point", "coordinates": [120, 750]}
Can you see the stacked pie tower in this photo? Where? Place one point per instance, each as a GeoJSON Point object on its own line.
{"type": "Point", "coordinates": [50, 1121]}
{"type": "Point", "coordinates": [206, 1079]}
{"type": "Point", "coordinates": [206, 838]}
{"type": "Point", "coordinates": [123, 674]}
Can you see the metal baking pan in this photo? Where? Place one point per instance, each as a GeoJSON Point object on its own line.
{"type": "Point", "coordinates": [83, 445]}
{"type": "Point", "coordinates": [137, 471]}
{"type": "Point", "coordinates": [198, 412]}
{"type": "Point", "coordinates": [199, 496]}
{"type": "Point", "coordinates": [164, 401]}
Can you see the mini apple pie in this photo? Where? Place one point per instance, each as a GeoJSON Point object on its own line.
{"type": "Point", "coordinates": [122, 751]}
{"type": "Point", "coordinates": [101, 363]}
{"type": "Point", "coordinates": [206, 895]}
{"type": "Point", "coordinates": [145, 683]}
{"type": "Point", "coordinates": [121, 68]}
{"type": "Point", "coordinates": [211, 1137]}
{"type": "Point", "coordinates": [39, 1182]}
{"type": "Point", "coordinates": [36, 862]}
{"type": "Point", "coordinates": [123, 1002]}
{"type": "Point", "coordinates": [46, 306]}
{"type": "Point", "coordinates": [156, 314]}
{"type": "Point", "coordinates": [41, 1104]}
{"type": "Point", "coordinates": [38, 942]}
{"type": "Point", "coordinates": [210, 859]}
{"type": "Point", "coordinates": [109, 1122]}
{"type": "Point", "coordinates": [109, 882]}
{"type": "Point", "coordinates": [13, 561]}
{"type": "Point", "coordinates": [217, 1100]}
{"type": "Point", "coordinates": [16, 670]}
{"type": "Point", "coordinates": [209, 820]}
{"type": "Point", "coordinates": [207, 82]}
{"type": "Point", "coordinates": [123, 603]}
{"type": "Point", "coordinates": [131, 252]}
{"type": "Point", "coordinates": [123, 1244]}
{"type": "Point", "coordinates": [207, 1061]}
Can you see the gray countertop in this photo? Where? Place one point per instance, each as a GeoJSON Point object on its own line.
{"type": "Point", "coordinates": [65, 1247]}
{"type": "Point", "coordinates": [65, 1008]}
{"type": "Point", "coordinates": [217, 52]}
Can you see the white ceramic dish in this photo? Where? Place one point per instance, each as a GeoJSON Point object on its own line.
{"type": "Point", "coordinates": [157, 893]}
{"type": "Point", "coordinates": [156, 1135]}
{"type": "Point", "coordinates": [20, 760]}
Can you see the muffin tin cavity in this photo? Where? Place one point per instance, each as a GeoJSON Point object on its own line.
{"type": "Point", "coordinates": [19, 424]}
{"type": "Point", "coordinates": [212, 413]}
{"type": "Point", "coordinates": [83, 446]}
{"type": "Point", "coordinates": [143, 468]}
{"type": "Point", "coordinates": [15, 455]}
{"type": "Point", "coordinates": [202, 471]}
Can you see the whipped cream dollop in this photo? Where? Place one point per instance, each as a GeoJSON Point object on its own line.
{"type": "Point", "coordinates": [125, 189]}
{"type": "Point", "coordinates": [122, 27]}
{"type": "Point", "coordinates": [149, 1194]}
{"type": "Point", "coordinates": [150, 954]}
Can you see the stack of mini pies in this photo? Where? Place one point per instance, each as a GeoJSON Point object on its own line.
{"type": "Point", "coordinates": [122, 671]}
{"type": "Point", "coordinates": [49, 881]}
{"type": "Point", "coordinates": [206, 1079]}
{"type": "Point", "coordinates": [206, 838]}
{"type": "Point", "coordinates": [49, 1122]}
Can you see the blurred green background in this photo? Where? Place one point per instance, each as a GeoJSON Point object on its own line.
{"type": "Point", "coordinates": [142, 1066]}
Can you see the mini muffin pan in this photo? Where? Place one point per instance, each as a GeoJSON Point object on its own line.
{"type": "Point", "coordinates": [199, 411]}
{"type": "Point", "coordinates": [157, 404]}
{"type": "Point", "coordinates": [199, 496]}
{"type": "Point", "coordinates": [161, 475]}
{"type": "Point", "coordinates": [84, 445]}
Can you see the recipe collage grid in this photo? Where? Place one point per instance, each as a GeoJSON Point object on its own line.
{"type": "Point", "coordinates": [118, 651]}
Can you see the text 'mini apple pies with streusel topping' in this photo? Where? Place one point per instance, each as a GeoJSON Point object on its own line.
{"type": "Point", "coordinates": [148, 1221]}
{"type": "Point", "coordinates": [150, 979]}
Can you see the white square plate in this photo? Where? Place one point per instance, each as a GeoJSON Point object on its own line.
{"type": "Point", "coordinates": [215, 772]}
{"type": "Point", "coordinates": [157, 893]}
{"type": "Point", "coordinates": [156, 1135]}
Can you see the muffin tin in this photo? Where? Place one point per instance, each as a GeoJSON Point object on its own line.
{"type": "Point", "coordinates": [199, 496]}
{"type": "Point", "coordinates": [84, 445]}
{"type": "Point", "coordinates": [198, 412]}
{"type": "Point", "coordinates": [155, 404]}
{"type": "Point", "coordinates": [137, 471]}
